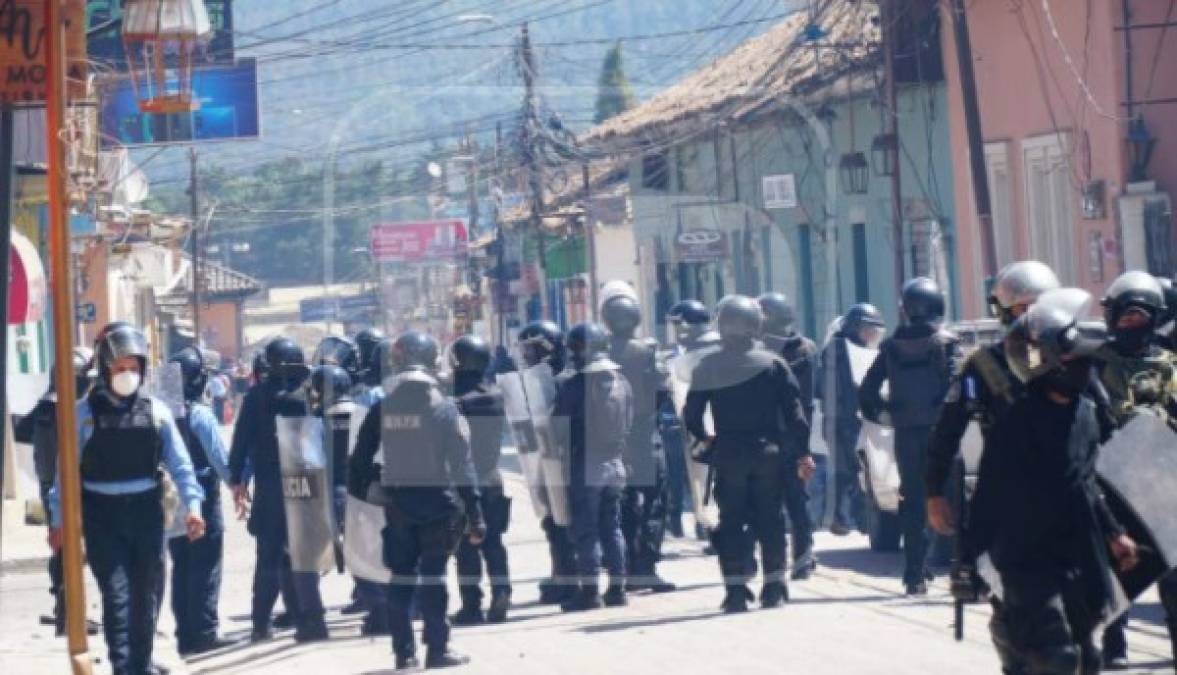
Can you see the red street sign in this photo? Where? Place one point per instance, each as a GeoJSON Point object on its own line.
{"type": "Point", "coordinates": [424, 241]}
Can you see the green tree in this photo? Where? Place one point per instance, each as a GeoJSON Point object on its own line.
{"type": "Point", "coordinates": [614, 93]}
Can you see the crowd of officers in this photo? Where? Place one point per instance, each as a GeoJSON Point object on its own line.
{"type": "Point", "coordinates": [426, 437]}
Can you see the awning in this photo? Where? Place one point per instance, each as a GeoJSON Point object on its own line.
{"type": "Point", "coordinates": [26, 281]}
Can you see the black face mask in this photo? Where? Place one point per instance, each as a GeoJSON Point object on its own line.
{"type": "Point", "coordinates": [1133, 340]}
{"type": "Point", "coordinates": [1070, 379]}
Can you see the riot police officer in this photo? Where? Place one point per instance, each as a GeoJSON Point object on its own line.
{"type": "Point", "coordinates": [543, 342]}
{"type": "Point", "coordinates": [255, 438]}
{"type": "Point", "coordinates": [431, 493]}
{"type": "Point", "coordinates": [691, 324]}
{"type": "Point", "coordinates": [984, 387]}
{"type": "Point", "coordinates": [643, 511]}
{"type": "Point", "coordinates": [593, 415]}
{"type": "Point", "coordinates": [837, 386]}
{"type": "Point", "coordinates": [334, 350]}
{"type": "Point", "coordinates": [481, 403]}
{"type": "Point", "coordinates": [123, 437]}
{"type": "Point", "coordinates": [760, 433]}
{"type": "Point", "coordinates": [801, 354]}
{"type": "Point", "coordinates": [367, 342]}
{"type": "Point", "coordinates": [917, 362]}
{"type": "Point", "coordinates": [1038, 511]}
{"type": "Point", "coordinates": [39, 428]}
{"type": "Point", "coordinates": [330, 399]}
{"type": "Point", "coordinates": [196, 565]}
{"type": "Point", "coordinates": [1138, 373]}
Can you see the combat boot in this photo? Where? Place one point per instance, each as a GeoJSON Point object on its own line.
{"type": "Point", "coordinates": [407, 663]}
{"type": "Point", "coordinates": [311, 629]}
{"type": "Point", "coordinates": [615, 596]}
{"type": "Point", "coordinates": [588, 598]}
{"type": "Point", "coordinates": [468, 615]}
{"type": "Point", "coordinates": [736, 600]}
{"type": "Point", "coordinates": [553, 593]}
{"type": "Point", "coordinates": [674, 525]}
{"type": "Point", "coordinates": [774, 594]}
{"type": "Point", "coordinates": [445, 658]}
{"type": "Point", "coordinates": [804, 566]}
{"type": "Point", "coordinates": [500, 602]}
{"type": "Point", "coordinates": [375, 623]}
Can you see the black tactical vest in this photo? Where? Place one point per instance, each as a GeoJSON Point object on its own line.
{"type": "Point", "coordinates": [918, 371]}
{"type": "Point", "coordinates": [125, 445]}
{"type": "Point", "coordinates": [483, 409]}
{"type": "Point", "coordinates": [195, 447]}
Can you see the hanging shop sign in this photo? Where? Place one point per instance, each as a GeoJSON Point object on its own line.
{"type": "Point", "coordinates": [24, 73]}
{"type": "Point", "coordinates": [701, 246]}
{"type": "Point", "coordinates": [423, 241]}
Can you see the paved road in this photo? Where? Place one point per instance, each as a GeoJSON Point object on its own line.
{"type": "Point", "coordinates": [850, 618]}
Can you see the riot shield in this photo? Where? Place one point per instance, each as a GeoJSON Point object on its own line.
{"type": "Point", "coordinates": [1138, 472]}
{"type": "Point", "coordinates": [363, 540]}
{"type": "Point", "coordinates": [529, 443]}
{"type": "Point", "coordinates": [358, 414]}
{"type": "Point", "coordinates": [539, 384]}
{"type": "Point", "coordinates": [166, 384]}
{"type": "Point", "coordinates": [698, 474]}
{"type": "Point", "coordinates": [307, 493]}
{"type": "Point", "coordinates": [880, 475]}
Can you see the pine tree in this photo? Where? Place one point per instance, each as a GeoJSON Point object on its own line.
{"type": "Point", "coordinates": [614, 93]}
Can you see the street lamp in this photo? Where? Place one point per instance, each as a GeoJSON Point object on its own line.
{"type": "Point", "coordinates": [1141, 143]}
{"type": "Point", "coordinates": [156, 34]}
{"type": "Point", "coordinates": [855, 173]}
{"type": "Point", "coordinates": [884, 151]}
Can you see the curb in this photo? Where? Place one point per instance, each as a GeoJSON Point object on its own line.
{"type": "Point", "coordinates": [23, 565]}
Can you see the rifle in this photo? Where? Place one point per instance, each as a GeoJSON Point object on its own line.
{"type": "Point", "coordinates": [964, 582]}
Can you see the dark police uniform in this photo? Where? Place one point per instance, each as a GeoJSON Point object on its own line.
{"type": "Point", "coordinates": [800, 353]}
{"type": "Point", "coordinates": [840, 427]}
{"type": "Point", "coordinates": [918, 362]}
{"type": "Point", "coordinates": [1040, 515]}
{"type": "Point", "coordinates": [643, 507]}
{"type": "Point", "coordinates": [481, 403]}
{"type": "Point", "coordinates": [760, 430]}
{"type": "Point", "coordinates": [255, 438]}
{"type": "Point", "coordinates": [196, 565]}
{"type": "Point", "coordinates": [429, 481]}
{"type": "Point", "coordinates": [39, 428]}
{"type": "Point", "coordinates": [593, 416]}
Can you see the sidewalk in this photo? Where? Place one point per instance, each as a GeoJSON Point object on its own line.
{"type": "Point", "coordinates": [22, 546]}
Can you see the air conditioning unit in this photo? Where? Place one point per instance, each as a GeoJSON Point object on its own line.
{"type": "Point", "coordinates": [1146, 229]}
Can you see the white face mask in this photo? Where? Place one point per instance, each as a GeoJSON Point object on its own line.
{"type": "Point", "coordinates": [125, 383]}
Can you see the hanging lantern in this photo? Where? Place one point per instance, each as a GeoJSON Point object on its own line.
{"type": "Point", "coordinates": [884, 154]}
{"type": "Point", "coordinates": [1141, 144]}
{"type": "Point", "coordinates": [160, 38]}
{"type": "Point", "coordinates": [855, 173]}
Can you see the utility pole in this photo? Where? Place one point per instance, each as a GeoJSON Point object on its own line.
{"type": "Point", "coordinates": [590, 236]}
{"type": "Point", "coordinates": [194, 194]}
{"type": "Point", "coordinates": [531, 161]}
{"type": "Point", "coordinates": [6, 169]}
{"type": "Point", "coordinates": [69, 471]}
{"type": "Point", "coordinates": [889, 16]}
{"type": "Point", "coordinates": [500, 292]}
{"type": "Point", "coordinates": [972, 116]}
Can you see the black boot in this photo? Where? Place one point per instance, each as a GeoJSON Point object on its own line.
{"type": "Point", "coordinates": [615, 596]}
{"type": "Point", "coordinates": [284, 621]}
{"type": "Point", "coordinates": [376, 623]}
{"type": "Point", "coordinates": [674, 525]}
{"type": "Point", "coordinates": [774, 594]}
{"type": "Point", "coordinates": [804, 566]}
{"type": "Point", "coordinates": [588, 598]}
{"type": "Point", "coordinates": [500, 602]}
{"type": "Point", "coordinates": [468, 615]}
{"type": "Point", "coordinates": [311, 629]}
{"type": "Point", "coordinates": [736, 600]}
{"type": "Point", "coordinates": [553, 593]}
{"type": "Point", "coordinates": [407, 663]}
{"type": "Point", "coordinates": [444, 658]}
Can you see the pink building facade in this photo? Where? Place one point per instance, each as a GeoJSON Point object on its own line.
{"type": "Point", "coordinates": [1058, 82]}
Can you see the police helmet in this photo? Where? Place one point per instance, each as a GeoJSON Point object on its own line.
{"type": "Point", "coordinates": [120, 342]}
{"type": "Point", "coordinates": [470, 354]}
{"type": "Point", "coordinates": [414, 350]}
{"type": "Point", "coordinates": [779, 315]}
{"type": "Point", "coordinates": [1135, 289]}
{"type": "Point", "coordinates": [330, 384]}
{"type": "Point", "coordinates": [542, 340]}
{"type": "Point", "coordinates": [862, 314]}
{"type": "Point", "coordinates": [689, 312]}
{"type": "Point", "coordinates": [1047, 335]}
{"type": "Point", "coordinates": [622, 315]}
{"type": "Point", "coordinates": [739, 317]}
{"type": "Point", "coordinates": [192, 371]}
{"type": "Point", "coordinates": [338, 351]}
{"type": "Point", "coordinates": [286, 362]}
{"type": "Point", "coordinates": [1019, 284]}
{"type": "Point", "coordinates": [260, 366]}
{"type": "Point", "coordinates": [587, 342]}
{"type": "Point", "coordinates": [1170, 292]}
{"type": "Point", "coordinates": [922, 301]}
{"type": "Point", "coordinates": [366, 342]}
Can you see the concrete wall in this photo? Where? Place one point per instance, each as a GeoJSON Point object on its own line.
{"type": "Point", "coordinates": [732, 199]}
